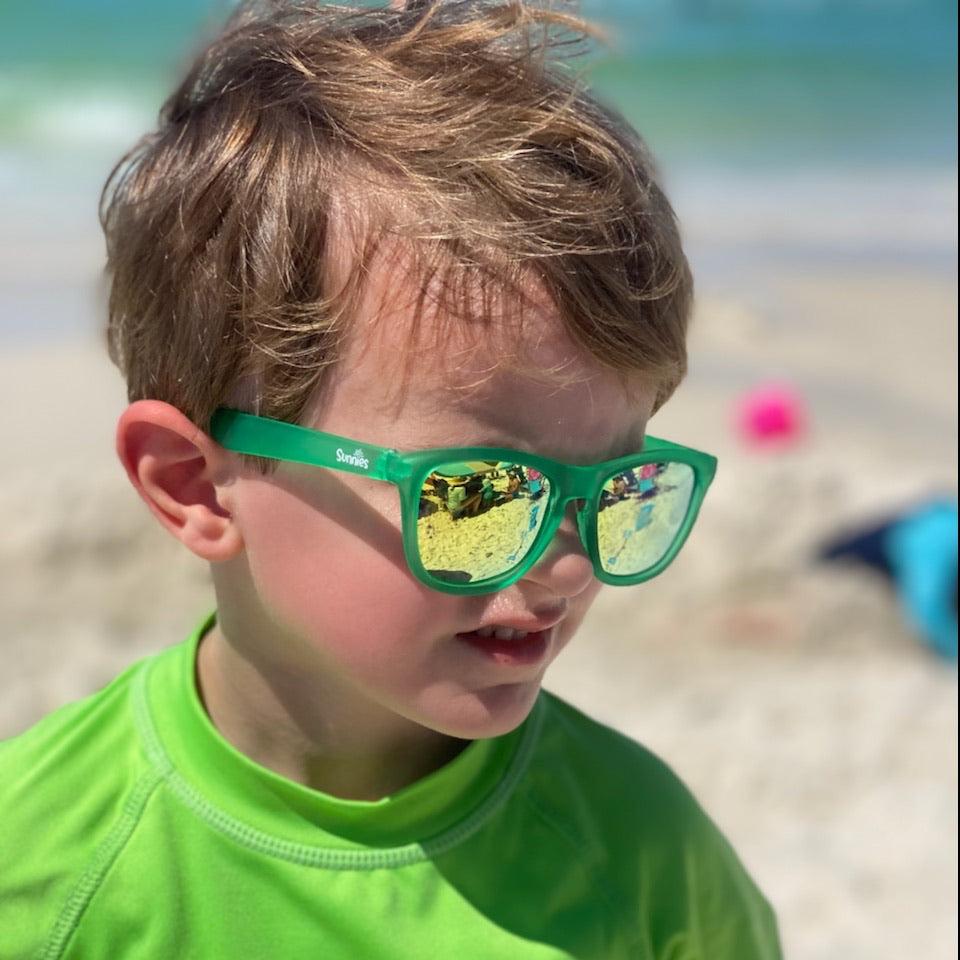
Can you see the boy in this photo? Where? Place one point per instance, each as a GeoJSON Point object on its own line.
{"type": "Point", "coordinates": [369, 255]}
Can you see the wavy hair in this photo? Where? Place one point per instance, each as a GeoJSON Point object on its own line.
{"type": "Point", "coordinates": [456, 126]}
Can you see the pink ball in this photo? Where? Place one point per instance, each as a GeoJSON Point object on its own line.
{"type": "Point", "coordinates": [771, 414]}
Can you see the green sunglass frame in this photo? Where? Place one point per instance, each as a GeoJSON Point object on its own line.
{"type": "Point", "coordinates": [278, 440]}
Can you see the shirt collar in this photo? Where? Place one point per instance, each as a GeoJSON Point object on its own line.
{"type": "Point", "coordinates": [210, 769]}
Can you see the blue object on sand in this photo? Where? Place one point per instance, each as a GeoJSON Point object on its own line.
{"type": "Point", "coordinates": [917, 549]}
{"type": "Point", "coordinates": [922, 548]}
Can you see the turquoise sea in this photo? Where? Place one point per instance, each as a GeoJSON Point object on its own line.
{"type": "Point", "coordinates": [839, 114]}
{"type": "Point", "coordinates": [758, 80]}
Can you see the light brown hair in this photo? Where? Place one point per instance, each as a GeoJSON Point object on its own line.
{"type": "Point", "coordinates": [453, 126]}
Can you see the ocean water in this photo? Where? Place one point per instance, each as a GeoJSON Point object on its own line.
{"type": "Point", "coordinates": [793, 128]}
{"type": "Point", "coordinates": [762, 81]}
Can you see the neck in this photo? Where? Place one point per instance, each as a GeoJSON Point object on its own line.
{"type": "Point", "coordinates": [308, 732]}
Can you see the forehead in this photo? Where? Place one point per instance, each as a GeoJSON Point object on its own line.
{"type": "Point", "coordinates": [414, 374]}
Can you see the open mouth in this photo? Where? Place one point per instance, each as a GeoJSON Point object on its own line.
{"type": "Point", "coordinates": [508, 646]}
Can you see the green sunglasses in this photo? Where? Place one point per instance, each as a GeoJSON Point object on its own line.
{"type": "Point", "coordinates": [476, 519]}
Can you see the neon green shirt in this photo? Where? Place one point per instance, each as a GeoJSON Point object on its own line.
{"type": "Point", "coordinates": [130, 828]}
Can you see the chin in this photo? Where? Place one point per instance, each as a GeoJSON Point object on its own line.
{"type": "Point", "coordinates": [492, 712]}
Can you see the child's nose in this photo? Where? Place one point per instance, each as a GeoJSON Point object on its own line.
{"type": "Point", "coordinates": [565, 568]}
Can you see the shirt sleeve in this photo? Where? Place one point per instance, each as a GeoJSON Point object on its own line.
{"type": "Point", "coordinates": [696, 899]}
{"type": "Point", "coordinates": [728, 916]}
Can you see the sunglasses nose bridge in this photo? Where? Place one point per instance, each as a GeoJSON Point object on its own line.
{"type": "Point", "coordinates": [576, 488]}
{"type": "Point", "coordinates": [574, 483]}
{"type": "Point", "coordinates": [583, 524]}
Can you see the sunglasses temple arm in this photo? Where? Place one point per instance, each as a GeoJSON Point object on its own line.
{"type": "Point", "coordinates": [276, 439]}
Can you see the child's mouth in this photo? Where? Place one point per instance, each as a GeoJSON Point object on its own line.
{"type": "Point", "coordinates": [517, 650]}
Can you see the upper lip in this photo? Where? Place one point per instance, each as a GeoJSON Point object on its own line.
{"type": "Point", "coordinates": [528, 624]}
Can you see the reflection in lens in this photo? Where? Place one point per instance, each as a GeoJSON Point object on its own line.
{"type": "Point", "coordinates": [639, 515]}
{"type": "Point", "coordinates": [478, 519]}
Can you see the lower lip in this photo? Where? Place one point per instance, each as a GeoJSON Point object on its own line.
{"type": "Point", "coordinates": [515, 653]}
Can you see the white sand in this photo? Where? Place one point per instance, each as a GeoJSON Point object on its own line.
{"type": "Point", "coordinates": [815, 728]}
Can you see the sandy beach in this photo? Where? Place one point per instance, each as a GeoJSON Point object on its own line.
{"type": "Point", "coordinates": [792, 696]}
{"type": "Point", "coordinates": [810, 152]}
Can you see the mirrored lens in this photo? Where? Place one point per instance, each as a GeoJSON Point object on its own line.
{"type": "Point", "coordinates": [478, 519]}
{"type": "Point", "coordinates": [640, 514]}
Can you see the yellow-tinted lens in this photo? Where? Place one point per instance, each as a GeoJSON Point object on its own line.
{"type": "Point", "coordinates": [478, 520]}
{"type": "Point", "coordinates": [640, 514]}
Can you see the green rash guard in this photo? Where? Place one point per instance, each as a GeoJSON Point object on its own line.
{"type": "Point", "coordinates": [130, 828]}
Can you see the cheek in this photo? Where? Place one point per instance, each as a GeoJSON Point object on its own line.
{"type": "Point", "coordinates": [336, 575]}
{"type": "Point", "coordinates": [581, 606]}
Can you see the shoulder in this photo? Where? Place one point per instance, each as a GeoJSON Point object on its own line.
{"type": "Point", "coordinates": [70, 740]}
{"type": "Point", "coordinates": [647, 836]}
{"type": "Point", "coordinates": [65, 783]}
{"type": "Point", "coordinates": [618, 772]}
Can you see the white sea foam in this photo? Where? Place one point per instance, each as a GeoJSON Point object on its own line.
{"type": "Point", "coordinates": [870, 210]}
{"type": "Point", "coordinates": [40, 112]}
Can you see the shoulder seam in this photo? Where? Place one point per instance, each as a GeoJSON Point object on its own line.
{"type": "Point", "coordinates": [638, 944]}
{"type": "Point", "coordinates": [103, 858]}
{"type": "Point", "coordinates": [614, 901]}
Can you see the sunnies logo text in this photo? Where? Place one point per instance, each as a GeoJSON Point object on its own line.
{"type": "Point", "coordinates": [356, 459]}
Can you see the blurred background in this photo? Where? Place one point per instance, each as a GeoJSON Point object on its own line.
{"type": "Point", "coordinates": [809, 148]}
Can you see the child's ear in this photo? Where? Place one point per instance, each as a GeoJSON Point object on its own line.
{"type": "Point", "coordinates": [182, 475]}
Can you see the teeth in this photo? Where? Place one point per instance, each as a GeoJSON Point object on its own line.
{"type": "Point", "coordinates": [502, 633]}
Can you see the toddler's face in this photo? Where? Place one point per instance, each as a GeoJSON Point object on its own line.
{"type": "Point", "coordinates": [323, 566]}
